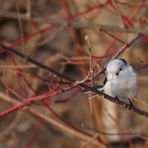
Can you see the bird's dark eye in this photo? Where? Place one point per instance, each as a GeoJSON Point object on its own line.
{"type": "Point", "coordinates": [120, 69]}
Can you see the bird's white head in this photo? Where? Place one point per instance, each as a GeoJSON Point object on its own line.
{"type": "Point", "coordinates": [115, 66]}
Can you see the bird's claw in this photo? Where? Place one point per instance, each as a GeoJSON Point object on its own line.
{"type": "Point", "coordinates": [116, 99]}
{"type": "Point", "coordinates": [131, 105]}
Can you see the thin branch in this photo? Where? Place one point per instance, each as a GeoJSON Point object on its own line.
{"type": "Point", "coordinates": [125, 46]}
{"type": "Point", "coordinates": [73, 23]}
{"type": "Point", "coordinates": [56, 123]}
{"type": "Point", "coordinates": [66, 129]}
{"type": "Point", "coordinates": [88, 88]}
{"type": "Point", "coordinates": [17, 66]}
{"type": "Point", "coordinates": [116, 38]}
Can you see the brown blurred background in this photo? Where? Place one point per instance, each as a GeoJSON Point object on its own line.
{"type": "Point", "coordinates": [25, 129]}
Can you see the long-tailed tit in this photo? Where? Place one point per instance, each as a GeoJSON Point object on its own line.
{"type": "Point", "coordinates": [121, 80]}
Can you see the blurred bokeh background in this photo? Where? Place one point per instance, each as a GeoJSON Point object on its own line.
{"type": "Point", "coordinates": [27, 26]}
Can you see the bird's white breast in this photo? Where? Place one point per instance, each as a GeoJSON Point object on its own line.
{"type": "Point", "coordinates": [122, 86]}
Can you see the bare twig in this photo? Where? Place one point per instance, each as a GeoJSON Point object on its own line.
{"type": "Point", "coordinates": [20, 23]}
{"type": "Point", "coordinates": [66, 129]}
{"type": "Point", "coordinates": [38, 64]}
{"type": "Point", "coordinates": [17, 66]}
{"type": "Point", "coordinates": [74, 23]}
{"type": "Point", "coordinates": [28, 8]}
{"type": "Point", "coordinates": [125, 46]}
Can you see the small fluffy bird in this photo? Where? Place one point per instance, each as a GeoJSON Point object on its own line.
{"type": "Point", "coordinates": [121, 80]}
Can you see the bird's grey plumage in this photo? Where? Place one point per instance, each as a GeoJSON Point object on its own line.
{"type": "Point", "coordinates": [121, 80]}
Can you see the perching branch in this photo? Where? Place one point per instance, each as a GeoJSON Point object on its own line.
{"type": "Point", "coordinates": [69, 79]}
{"type": "Point", "coordinates": [74, 23]}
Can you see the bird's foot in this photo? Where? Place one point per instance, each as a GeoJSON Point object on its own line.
{"type": "Point", "coordinates": [131, 105]}
{"type": "Point", "coordinates": [116, 99]}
